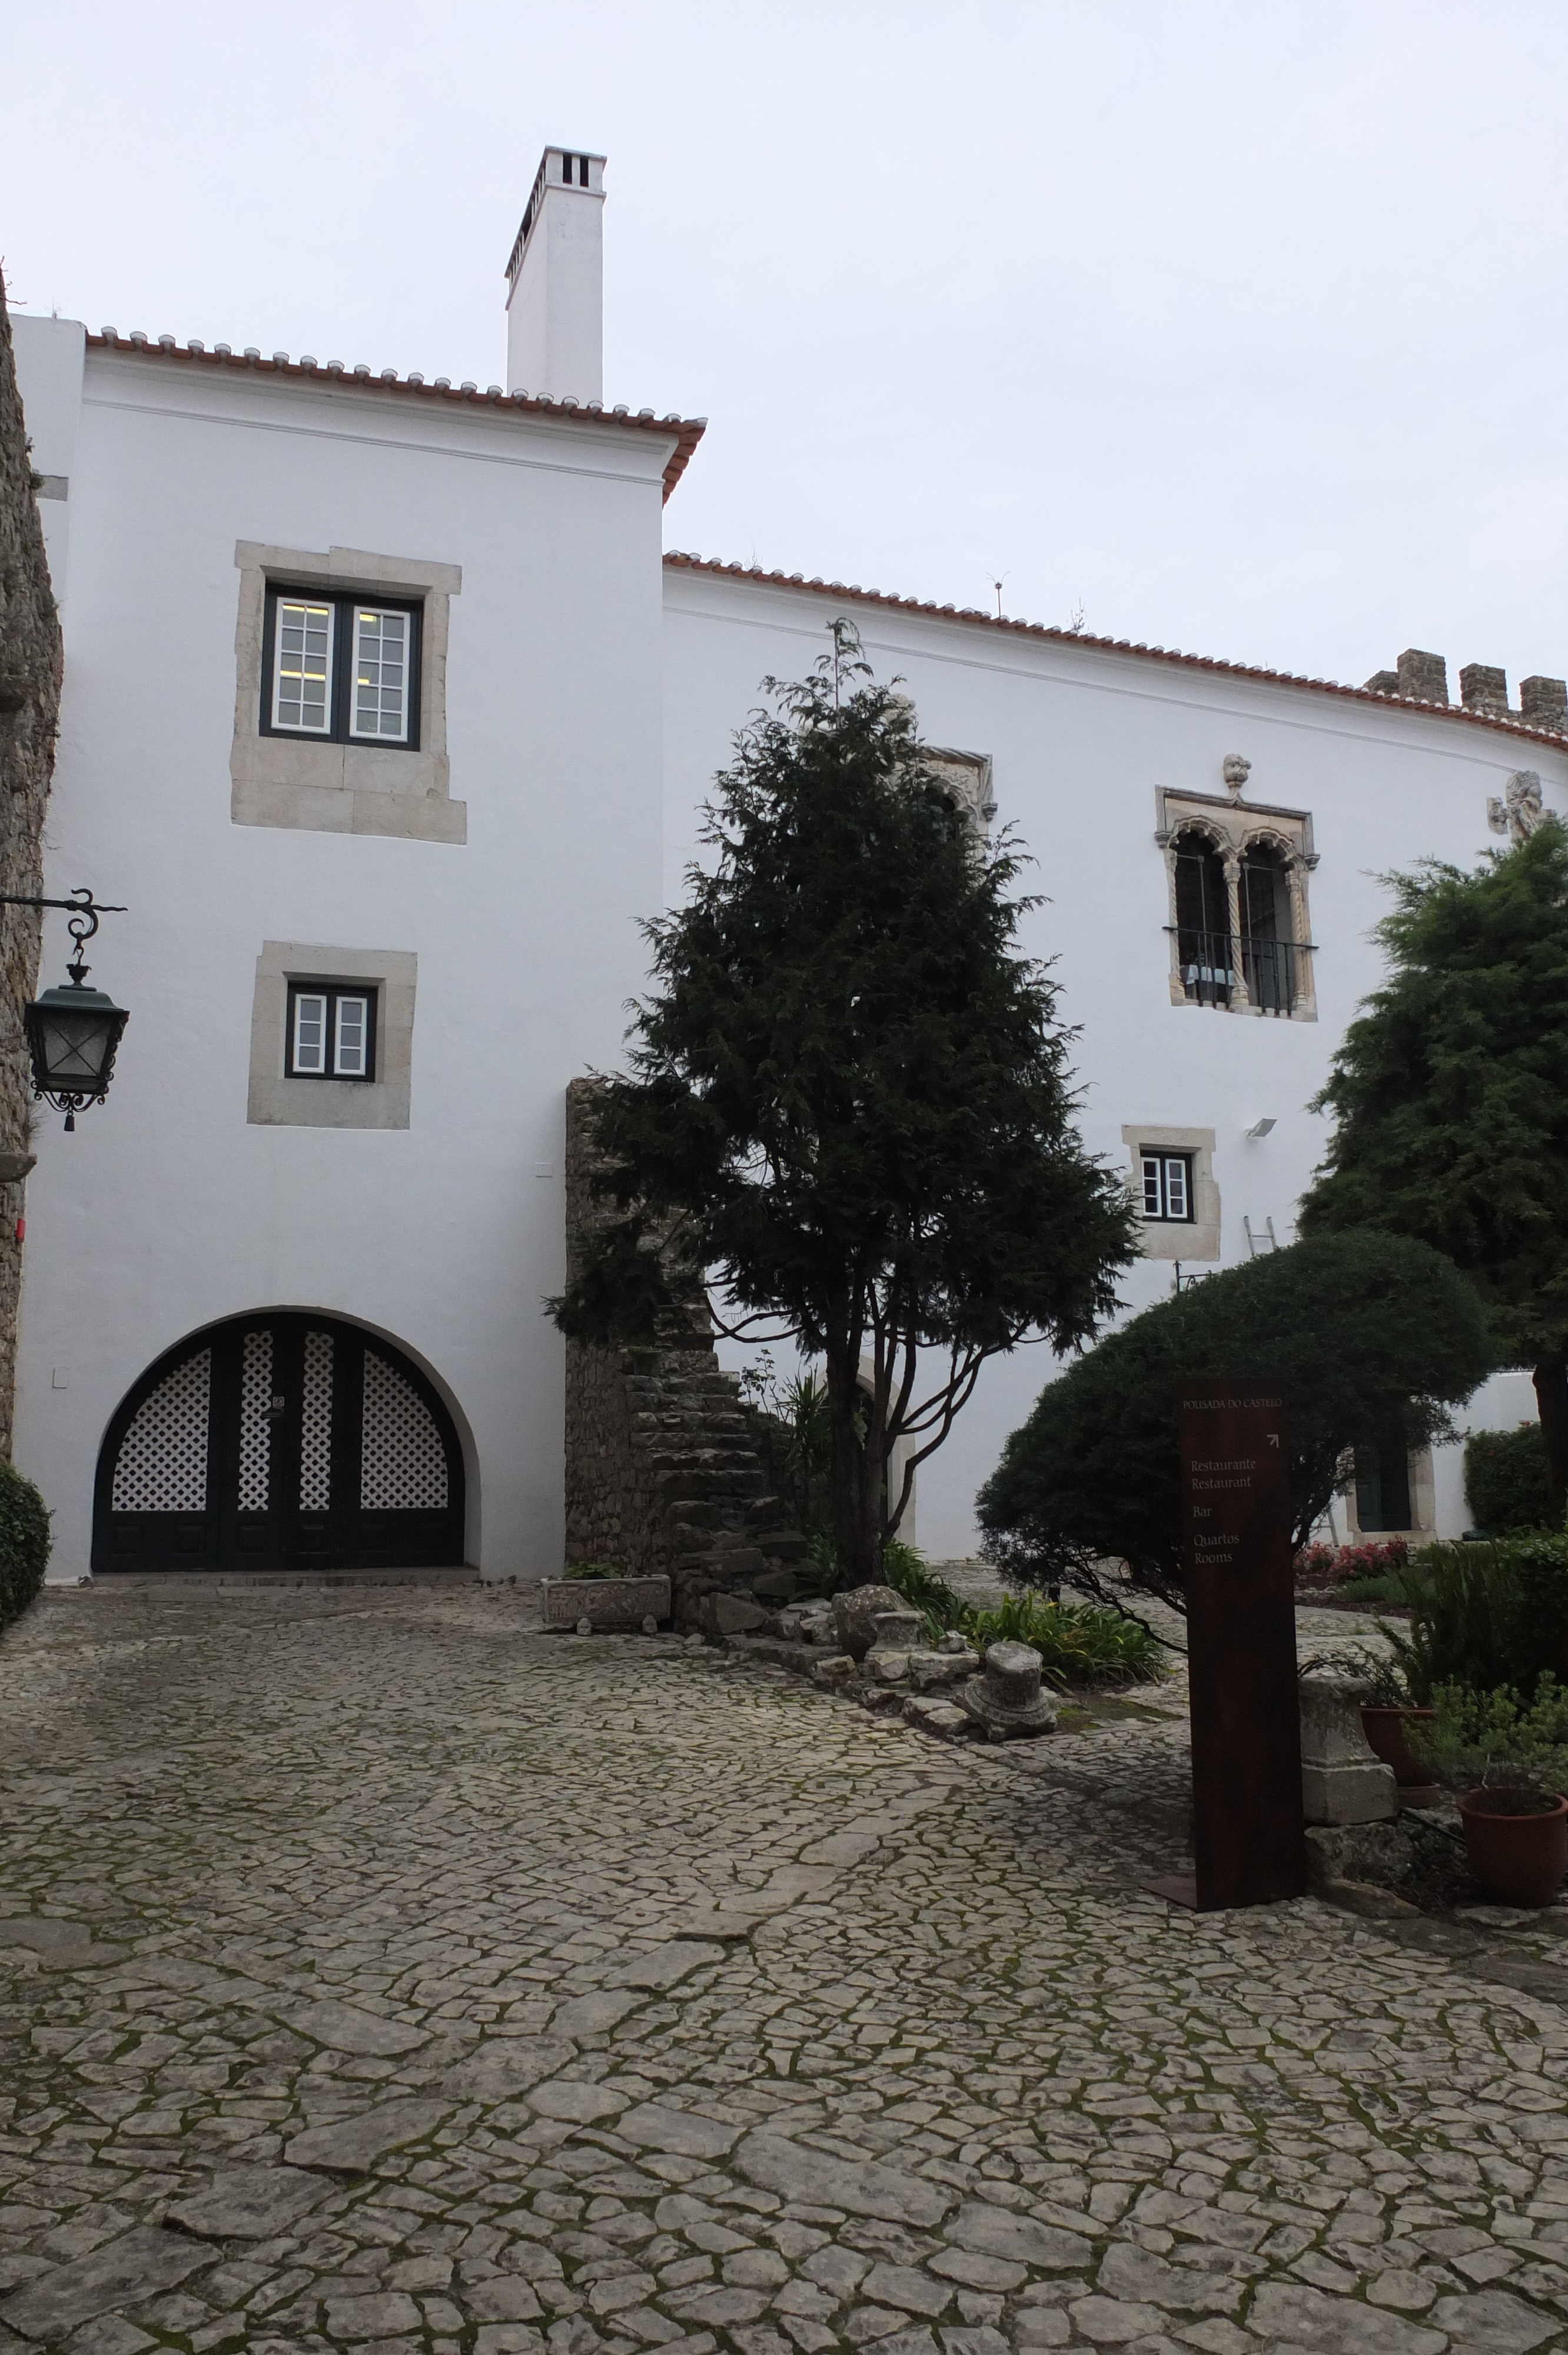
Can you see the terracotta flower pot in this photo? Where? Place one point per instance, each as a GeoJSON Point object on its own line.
{"type": "Point", "coordinates": [1384, 1729]}
{"type": "Point", "coordinates": [1518, 1859]}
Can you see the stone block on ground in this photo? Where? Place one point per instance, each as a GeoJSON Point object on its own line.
{"type": "Point", "coordinates": [837, 1673]}
{"type": "Point", "coordinates": [856, 1615]}
{"type": "Point", "coordinates": [938, 1717]}
{"type": "Point", "coordinates": [1380, 1852]}
{"type": "Point", "coordinates": [1342, 1781]}
{"type": "Point", "coordinates": [731, 1615]}
{"type": "Point", "coordinates": [775, 1586]}
{"type": "Point", "coordinates": [603, 1602]}
{"type": "Point", "coordinates": [883, 1667]}
{"type": "Point", "coordinates": [932, 1671]}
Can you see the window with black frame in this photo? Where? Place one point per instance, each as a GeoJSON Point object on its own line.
{"type": "Point", "coordinates": [1204, 951]}
{"type": "Point", "coordinates": [1269, 951]}
{"type": "Point", "coordinates": [331, 1032]}
{"type": "Point", "coordinates": [341, 670]}
{"type": "Point", "coordinates": [1167, 1179]}
{"type": "Point", "coordinates": [1382, 1483]}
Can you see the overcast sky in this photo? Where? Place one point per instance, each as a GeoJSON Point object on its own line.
{"type": "Point", "coordinates": [1237, 329]}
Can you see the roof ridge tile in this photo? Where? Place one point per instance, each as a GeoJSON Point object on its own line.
{"type": "Point", "coordinates": [683, 559]}
{"type": "Point", "coordinates": [688, 430]}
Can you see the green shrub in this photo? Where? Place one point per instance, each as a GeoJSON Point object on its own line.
{"type": "Point", "coordinates": [1483, 1616]}
{"type": "Point", "coordinates": [1078, 1643]}
{"type": "Point", "coordinates": [1516, 1752]}
{"type": "Point", "coordinates": [1370, 1589]}
{"type": "Point", "coordinates": [595, 1569]}
{"type": "Point", "coordinates": [1360, 1332]}
{"type": "Point", "coordinates": [1505, 1480]}
{"type": "Point", "coordinates": [24, 1544]}
{"type": "Point", "coordinates": [903, 1569]}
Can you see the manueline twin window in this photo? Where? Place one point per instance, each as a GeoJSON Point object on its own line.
{"type": "Point", "coordinates": [340, 670]}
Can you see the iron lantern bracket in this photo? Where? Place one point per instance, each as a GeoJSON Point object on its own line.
{"type": "Point", "coordinates": [82, 912]}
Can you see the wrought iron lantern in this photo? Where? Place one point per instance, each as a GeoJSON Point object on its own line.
{"type": "Point", "coordinates": [72, 1033]}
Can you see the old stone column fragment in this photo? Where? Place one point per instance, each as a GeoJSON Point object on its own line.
{"type": "Point", "coordinates": [1342, 1781]}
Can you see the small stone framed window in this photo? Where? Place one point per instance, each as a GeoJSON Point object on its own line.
{"type": "Point", "coordinates": [1167, 1182]}
{"type": "Point", "coordinates": [331, 1032]}
{"type": "Point", "coordinates": [1171, 1173]}
{"type": "Point", "coordinates": [332, 1037]}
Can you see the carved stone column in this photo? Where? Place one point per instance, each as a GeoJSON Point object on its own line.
{"type": "Point", "coordinates": [1240, 994]}
{"type": "Point", "coordinates": [1301, 974]}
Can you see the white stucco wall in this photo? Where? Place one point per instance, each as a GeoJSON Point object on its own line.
{"type": "Point", "coordinates": [590, 701]}
{"type": "Point", "coordinates": [165, 1210]}
{"type": "Point", "coordinates": [48, 354]}
{"type": "Point", "coordinates": [1080, 738]}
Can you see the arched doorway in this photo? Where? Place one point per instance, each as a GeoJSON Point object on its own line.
{"type": "Point", "coordinates": [281, 1441]}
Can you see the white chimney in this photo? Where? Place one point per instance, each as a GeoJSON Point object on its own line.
{"type": "Point", "coordinates": [555, 282]}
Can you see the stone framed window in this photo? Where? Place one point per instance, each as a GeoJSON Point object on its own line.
{"type": "Point", "coordinates": [332, 1037]}
{"type": "Point", "coordinates": [965, 777]}
{"type": "Point", "coordinates": [339, 717]}
{"type": "Point", "coordinates": [1171, 1173]}
{"type": "Point", "coordinates": [1236, 900]}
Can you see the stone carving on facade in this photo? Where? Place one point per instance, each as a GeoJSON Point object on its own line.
{"type": "Point", "coordinates": [1232, 828]}
{"type": "Point", "coordinates": [1236, 770]}
{"type": "Point", "coordinates": [1519, 811]}
{"type": "Point", "coordinates": [966, 778]}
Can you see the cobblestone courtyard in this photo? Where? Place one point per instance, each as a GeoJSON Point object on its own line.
{"type": "Point", "coordinates": [380, 1972]}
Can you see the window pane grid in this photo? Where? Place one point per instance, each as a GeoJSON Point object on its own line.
{"type": "Point", "coordinates": [349, 1055]}
{"type": "Point", "coordinates": [1167, 1182]}
{"type": "Point", "coordinates": [380, 672]}
{"type": "Point", "coordinates": [1175, 1189]}
{"type": "Point", "coordinates": [302, 695]}
{"type": "Point", "coordinates": [309, 1033]}
{"type": "Point", "coordinates": [341, 669]}
{"type": "Point", "coordinates": [331, 1033]}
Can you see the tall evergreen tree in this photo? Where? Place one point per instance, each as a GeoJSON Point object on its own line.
{"type": "Point", "coordinates": [848, 1111]}
{"type": "Point", "coordinates": [1450, 1100]}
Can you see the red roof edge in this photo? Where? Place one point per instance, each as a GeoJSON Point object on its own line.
{"type": "Point", "coordinates": [688, 430]}
{"type": "Point", "coordinates": [679, 561]}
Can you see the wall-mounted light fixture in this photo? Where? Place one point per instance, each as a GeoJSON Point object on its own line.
{"type": "Point", "coordinates": [1260, 1128]}
{"type": "Point", "coordinates": [72, 1033]}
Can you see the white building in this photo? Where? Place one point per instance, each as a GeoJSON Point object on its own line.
{"type": "Point", "coordinates": [388, 719]}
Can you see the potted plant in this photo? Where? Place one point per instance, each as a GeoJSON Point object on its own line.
{"type": "Point", "coordinates": [1388, 1712]}
{"type": "Point", "coordinates": [1507, 1760]}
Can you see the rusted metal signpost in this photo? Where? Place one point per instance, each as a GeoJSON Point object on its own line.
{"type": "Point", "coordinates": [1248, 1837]}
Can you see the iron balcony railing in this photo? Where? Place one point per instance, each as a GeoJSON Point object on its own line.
{"type": "Point", "coordinates": [1215, 968]}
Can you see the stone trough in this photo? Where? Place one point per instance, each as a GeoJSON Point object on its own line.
{"type": "Point", "coordinates": [604, 1603]}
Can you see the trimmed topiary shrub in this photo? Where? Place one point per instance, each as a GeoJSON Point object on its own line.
{"type": "Point", "coordinates": [1360, 1332]}
{"type": "Point", "coordinates": [24, 1544]}
{"type": "Point", "coordinates": [1505, 1480]}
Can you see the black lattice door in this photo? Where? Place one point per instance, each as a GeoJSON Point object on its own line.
{"type": "Point", "coordinates": [280, 1442]}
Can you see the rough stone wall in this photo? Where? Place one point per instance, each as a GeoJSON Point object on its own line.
{"type": "Point", "coordinates": [31, 663]}
{"type": "Point", "coordinates": [664, 1473]}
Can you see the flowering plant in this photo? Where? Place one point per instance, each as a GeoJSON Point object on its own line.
{"type": "Point", "coordinates": [1326, 1565]}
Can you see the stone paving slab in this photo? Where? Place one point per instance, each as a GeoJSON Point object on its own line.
{"type": "Point", "coordinates": [354, 1994]}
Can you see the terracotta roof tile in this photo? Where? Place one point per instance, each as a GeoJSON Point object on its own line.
{"type": "Point", "coordinates": [688, 430]}
{"type": "Point", "coordinates": [679, 561]}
